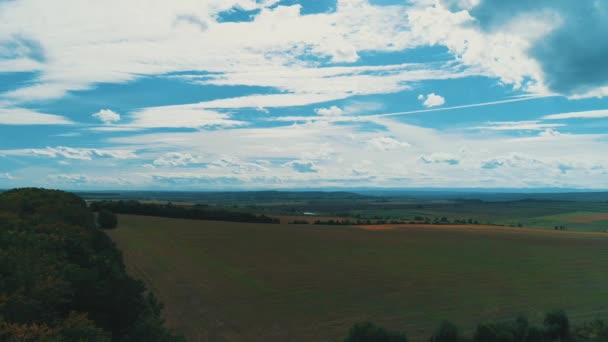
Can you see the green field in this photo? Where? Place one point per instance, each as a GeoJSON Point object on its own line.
{"type": "Point", "coordinates": [546, 211]}
{"type": "Point", "coordinates": [224, 281]}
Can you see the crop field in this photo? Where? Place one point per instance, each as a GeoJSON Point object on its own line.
{"type": "Point", "coordinates": [224, 281]}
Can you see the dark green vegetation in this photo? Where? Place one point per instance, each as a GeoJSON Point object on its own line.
{"type": "Point", "coordinates": [106, 219]}
{"type": "Point", "coordinates": [61, 279]}
{"type": "Point", "coordinates": [369, 332]}
{"type": "Point", "coordinates": [247, 282]}
{"type": "Point", "coordinates": [555, 327]}
{"type": "Point", "coordinates": [572, 211]}
{"type": "Point", "coordinates": [197, 212]}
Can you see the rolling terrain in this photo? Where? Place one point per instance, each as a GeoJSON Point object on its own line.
{"type": "Point", "coordinates": [274, 282]}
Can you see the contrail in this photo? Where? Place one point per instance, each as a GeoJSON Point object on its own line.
{"type": "Point", "coordinates": [483, 104]}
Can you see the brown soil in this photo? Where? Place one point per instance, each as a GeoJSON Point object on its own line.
{"type": "Point", "coordinates": [589, 218]}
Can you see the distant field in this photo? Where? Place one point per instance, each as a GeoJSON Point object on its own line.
{"type": "Point", "coordinates": [255, 282]}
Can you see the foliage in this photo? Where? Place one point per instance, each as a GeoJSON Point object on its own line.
{"type": "Point", "coordinates": [556, 328]}
{"type": "Point", "coordinates": [106, 219]}
{"type": "Point", "coordinates": [174, 211]}
{"type": "Point", "coordinates": [596, 330]}
{"type": "Point", "coordinates": [557, 325]}
{"type": "Point", "coordinates": [369, 332]}
{"type": "Point", "coordinates": [63, 280]}
{"type": "Point", "coordinates": [446, 332]}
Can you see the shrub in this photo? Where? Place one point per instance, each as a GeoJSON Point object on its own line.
{"type": "Point", "coordinates": [106, 220]}
{"type": "Point", "coordinates": [557, 325]}
{"type": "Point", "coordinates": [496, 332]}
{"type": "Point", "coordinates": [369, 332]}
{"type": "Point", "coordinates": [446, 332]}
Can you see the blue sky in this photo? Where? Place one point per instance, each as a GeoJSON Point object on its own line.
{"type": "Point", "coordinates": [244, 94]}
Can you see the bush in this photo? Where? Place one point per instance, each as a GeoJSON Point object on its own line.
{"type": "Point", "coordinates": [369, 332]}
{"type": "Point", "coordinates": [446, 332]}
{"type": "Point", "coordinates": [596, 330]}
{"type": "Point", "coordinates": [106, 220]}
{"type": "Point", "coordinates": [496, 332]}
{"type": "Point", "coordinates": [557, 325]}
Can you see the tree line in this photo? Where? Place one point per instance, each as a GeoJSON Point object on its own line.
{"type": "Point", "coordinates": [175, 211]}
{"type": "Point", "coordinates": [556, 327]}
{"type": "Point", "coordinates": [61, 279]}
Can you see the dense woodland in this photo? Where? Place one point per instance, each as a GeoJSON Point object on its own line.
{"type": "Point", "coordinates": [197, 212]}
{"type": "Point", "coordinates": [61, 279]}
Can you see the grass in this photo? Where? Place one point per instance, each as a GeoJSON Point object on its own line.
{"type": "Point", "coordinates": [537, 214]}
{"type": "Point", "coordinates": [235, 281]}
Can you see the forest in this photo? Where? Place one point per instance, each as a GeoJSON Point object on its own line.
{"type": "Point", "coordinates": [61, 279]}
{"type": "Point", "coordinates": [197, 212]}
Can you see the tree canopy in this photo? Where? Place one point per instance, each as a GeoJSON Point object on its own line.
{"type": "Point", "coordinates": [63, 280]}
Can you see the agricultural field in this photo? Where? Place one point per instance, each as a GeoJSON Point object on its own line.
{"type": "Point", "coordinates": [567, 211]}
{"type": "Point", "coordinates": [224, 281]}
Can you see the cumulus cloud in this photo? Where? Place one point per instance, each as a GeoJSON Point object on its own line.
{"type": "Point", "coordinates": [570, 55]}
{"type": "Point", "coordinates": [512, 160]}
{"type": "Point", "coordinates": [302, 166]}
{"type": "Point", "coordinates": [330, 111]}
{"type": "Point", "coordinates": [107, 116]}
{"type": "Point", "coordinates": [550, 133]}
{"type": "Point", "coordinates": [352, 107]}
{"type": "Point", "coordinates": [178, 159]}
{"type": "Point", "coordinates": [431, 100]}
{"type": "Point", "coordinates": [177, 32]}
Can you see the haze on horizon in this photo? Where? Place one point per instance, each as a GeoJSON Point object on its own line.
{"type": "Point", "coordinates": [245, 94]}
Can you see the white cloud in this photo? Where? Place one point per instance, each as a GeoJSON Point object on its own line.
{"type": "Point", "coordinates": [533, 125]}
{"type": "Point", "coordinates": [349, 156]}
{"type": "Point", "coordinates": [178, 159]}
{"type": "Point", "coordinates": [107, 116]}
{"type": "Point", "coordinates": [550, 133]}
{"type": "Point", "coordinates": [21, 116]}
{"type": "Point", "coordinates": [592, 114]}
{"type": "Point", "coordinates": [302, 166]}
{"type": "Point", "coordinates": [331, 111]}
{"type": "Point", "coordinates": [440, 158]}
{"type": "Point", "coordinates": [71, 153]}
{"type": "Point", "coordinates": [502, 54]}
{"type": "Point", "coordinates": [115, 128]}
{"type": "Point", "coordinates": [183, 116]}
{"type": "Point", "coordinates": [6, 175]}
{"type": "Point", "coordinates": [387, 143]}
{"type": "Point", "coordinates": [432, 100]}
{"type": "Point", "coordinates": [103, 45]}
{"type": "Point", "coordinates": [352, 107]}
{"type": "Point", "coordinates": [112, 47]}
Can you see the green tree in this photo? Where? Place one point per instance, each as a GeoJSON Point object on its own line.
{"type": "Point", "coordinates": [557, 325]}
{"type": "Point", "coordinates": [446, 332]}
{"type": "Point", "coordinates": [369, 332]}
{"type": "Point", "coordinates": [106, 219]}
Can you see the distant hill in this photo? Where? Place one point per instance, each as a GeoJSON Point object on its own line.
{"type": "Point", "coordinates": [489, 196]}
{"type": "Point", "coordinates": [222, 197]}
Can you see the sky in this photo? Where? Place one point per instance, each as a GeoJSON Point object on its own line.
{"type": "Point", "coordinates": [271, 94]}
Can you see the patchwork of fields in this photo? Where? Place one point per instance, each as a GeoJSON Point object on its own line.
{"type": "Point", "coordinates": [238, 281]}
